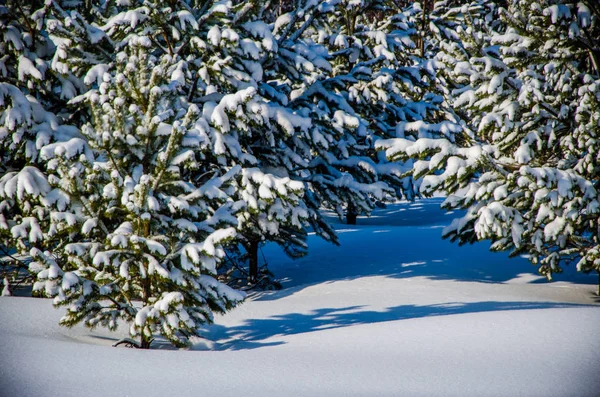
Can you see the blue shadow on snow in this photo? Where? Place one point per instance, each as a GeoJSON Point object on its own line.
{"type": "Point", "coordinates": [402, 240]}
{"type": "Point", "coordinates": [255, 332]}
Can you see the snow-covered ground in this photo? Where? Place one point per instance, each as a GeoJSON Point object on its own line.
{"type": "Point", "coordinates": [393, 311]}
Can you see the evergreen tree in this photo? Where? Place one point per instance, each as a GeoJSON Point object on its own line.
{"type": "Point", "coordinates": [525, 167]}
{"type": "Point", "coordinates": [338, 172]}
{"type": "Point", "coordinates": [149, 236]}
{"type": "Point", "coordinates": [383, 83]}
{"type": "Point", "coordinates": [248, 130]}
{"type": "Point", "coordinates": [32, 99]}
{"type": "Point", "coordinates": [125, 219]}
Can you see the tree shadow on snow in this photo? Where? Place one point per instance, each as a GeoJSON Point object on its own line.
{"type": "Point", "coordinates": [402, 240]}
{"type": "Point", "coordinates": [255, 333]}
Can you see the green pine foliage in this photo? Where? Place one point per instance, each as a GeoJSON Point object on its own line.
{"type": "Point", "coordinates": [134, 236]}
{"type": "Point", "coordinates": [32, 102]}
{"type": "Point", "coordinates": [523, 166]}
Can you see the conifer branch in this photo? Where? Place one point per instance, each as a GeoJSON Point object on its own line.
{"type": "Point", "coordinates": [32, 30]}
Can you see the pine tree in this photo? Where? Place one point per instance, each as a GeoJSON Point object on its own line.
{"type": "Point", "coordinates": [337, 171]}
{"type": "Point", "coordinates": [248, 130]}
{"type": "Point", "coordinates": [524, 168]}
{"type": "Point", "coordinates": [32, 99]}
{"type": "Point", "coordinates": [387, 86]}
{"type": "Point", "coordinates": [219, 48]}
{"type": "Point", "coordinates": [125, 219]}
{"type": "Point", "coordinates": [149, 231]}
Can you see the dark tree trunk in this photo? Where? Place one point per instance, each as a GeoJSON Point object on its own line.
{"type": "Point", "coordinates": [144, 342]}
{"type": "Point", "coordinates": [351, 217]}
{"type": "Point", "coordinates": [253, 261]}
{"type": "Point", "coordinates": [424, 27]}
{"type": "Point", "coordinates": [146, 292]}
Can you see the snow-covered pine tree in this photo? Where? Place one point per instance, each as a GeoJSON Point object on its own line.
{"type": "Point", "coordinates": [32, 99]}
{"type": "Point", "coordinates": [288, 114]}
{"type": "Point", "coordinates": [329, 148]}
{"type": "Point", "coordinates": [398, 97]}
{"type": "Point", "coordinates": [145, 234]}
{"type": "Point", "coordinates": [220, 47]}
{"type": "Point", "coordinates": [249, 131]}
{"type": "Point", "coordinates": [131, 219]}
{"type": "Point", "coordinates": [376, 81]}
{"type": "Point", "coordinates": [526, 168]}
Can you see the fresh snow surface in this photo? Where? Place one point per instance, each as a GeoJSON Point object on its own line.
{"type": "Point", "coordinates": [393, 311]}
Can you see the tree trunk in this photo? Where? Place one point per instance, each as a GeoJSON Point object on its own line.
{"type": "Point", "coordinates": [144, 341]}
{"type": "Point", "coordinates": [253, 261]}
{"type": "Point", "coordinates": [146, 291]}
{"type": "Point", "coordinates": [351, 217]}
{"type": "Point", "coordinates": [424, 26]}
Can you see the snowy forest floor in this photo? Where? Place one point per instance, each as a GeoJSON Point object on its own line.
{"type": "Point", "coordinates": [394, 311]}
